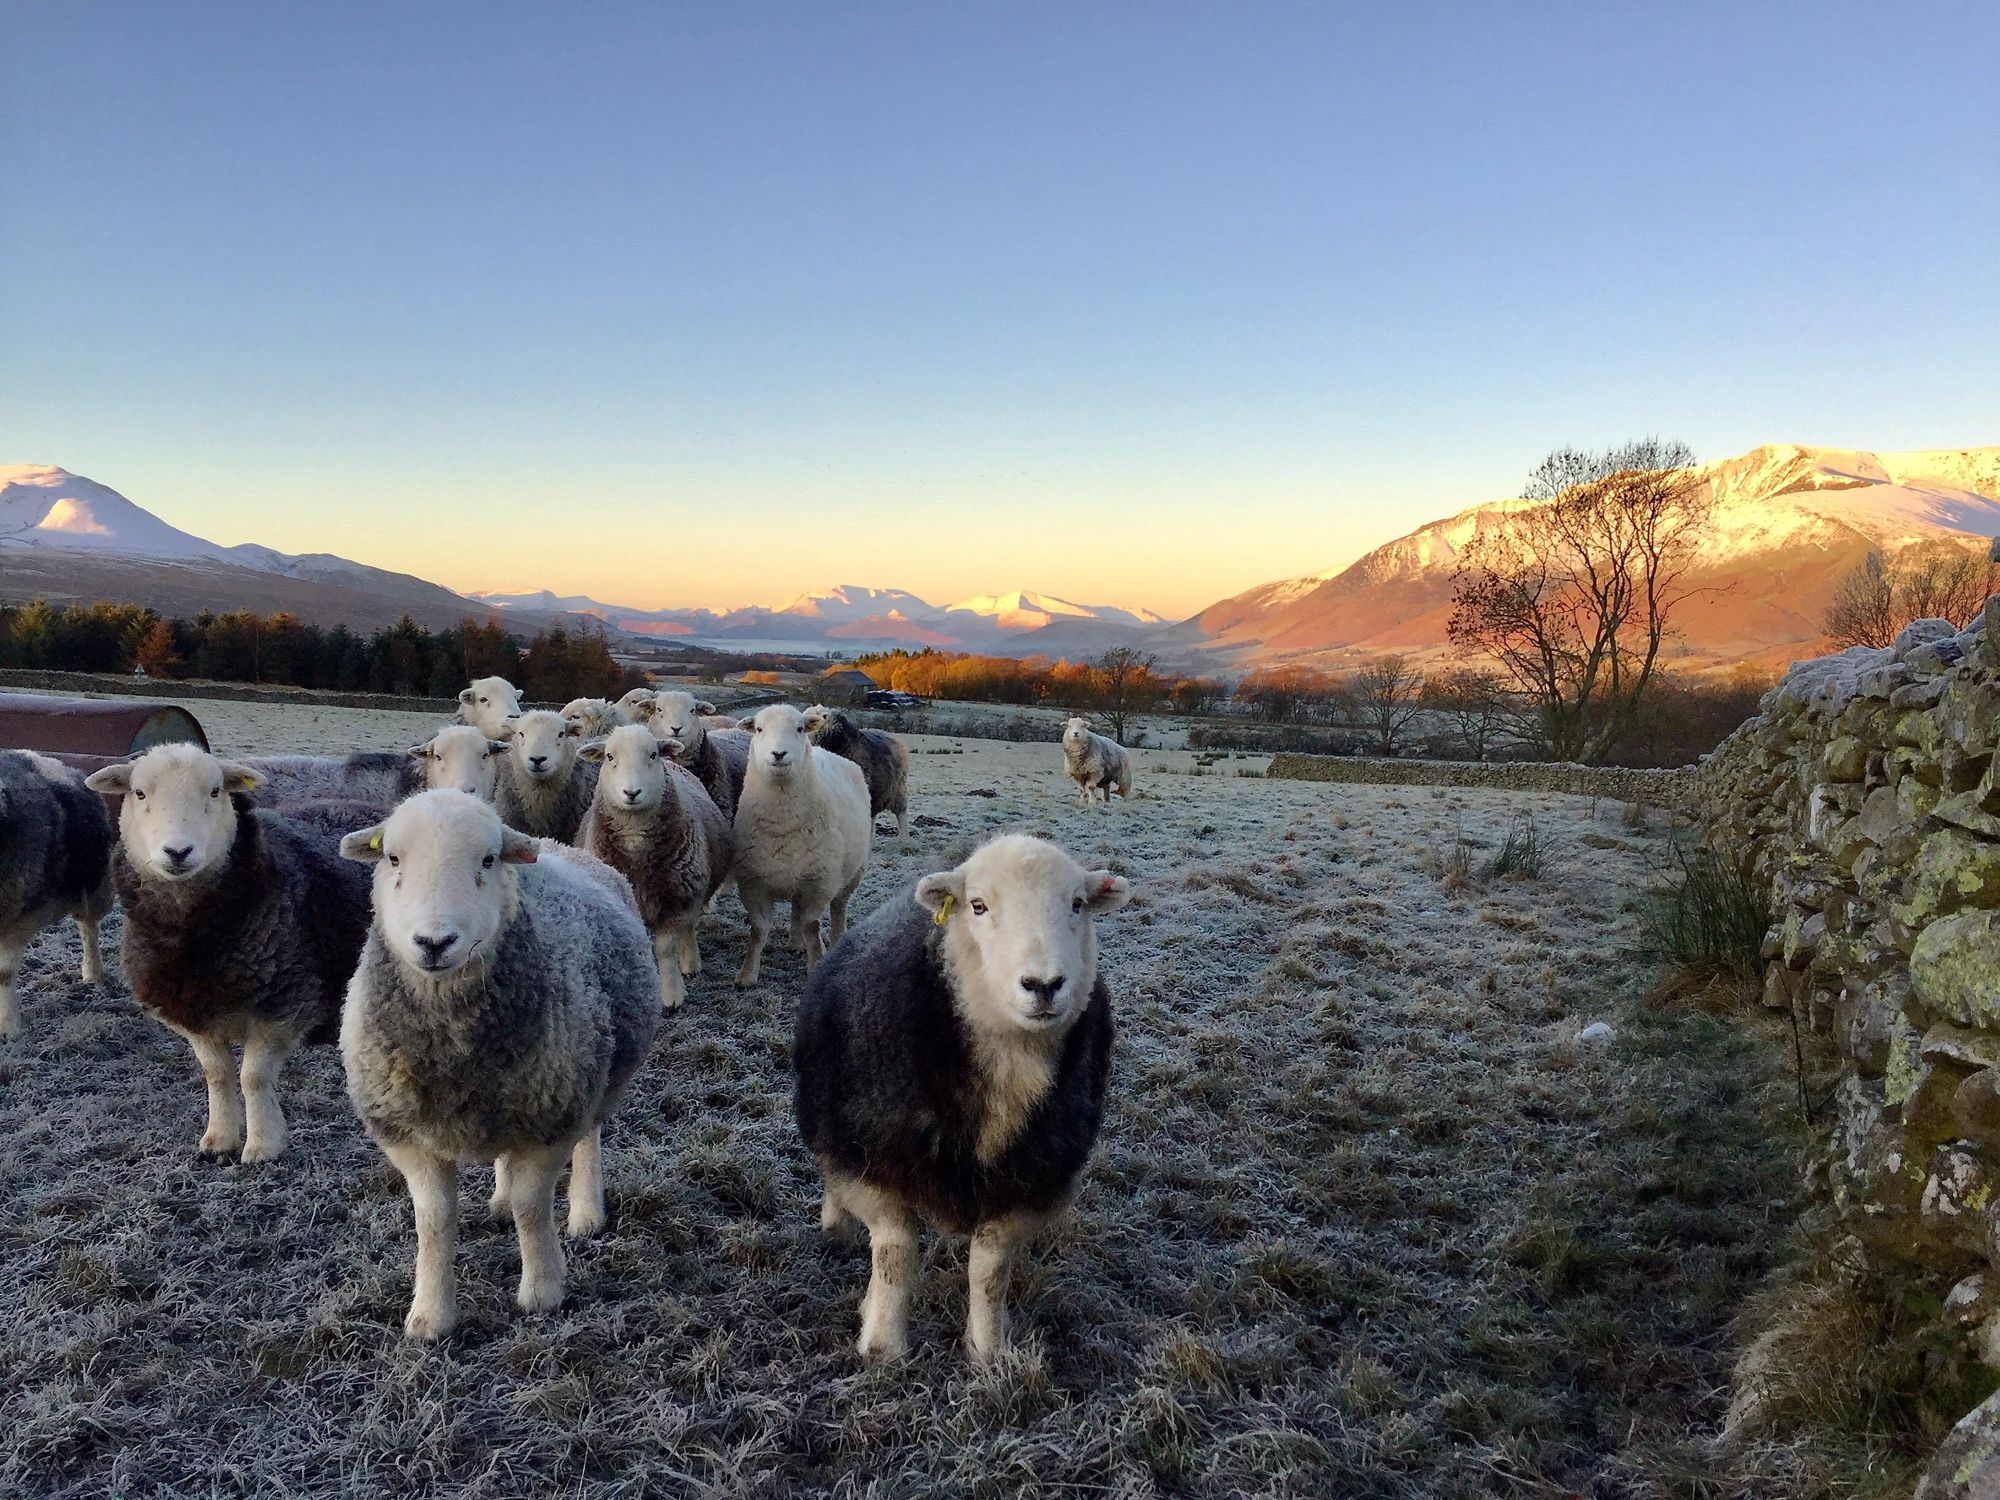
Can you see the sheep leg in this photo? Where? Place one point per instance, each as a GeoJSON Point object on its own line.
{"type": "Point", "coordinates": [988, 1264]}
{"type": "Point", "coordinates": [805, 931]}
{"type": "Point", "coordinates": [225, 1108]}
{"type": "Point", "coordinates": [531, 1182]}
{"type": "Point", "coordinates": [501, 1204]}
{"type": "Point", "coordinates": [10, 1009]}
{"type": "Point", "coordinates": [837, 915]}
{"type": "Point", "coordinates": [92, 971]}
{"type": "Point", "coordinates": [758, 906]}
{"type": "Point", "coordinates": [690, 948]}
{"type": "Point", "coordinates": [892, 1248]}
{"type": "Point", "coordinates": [433, 1184]}
{"type": "Point", "coordinates": [586, 1184]}
{"type": "Point", "coordinates": [672, 991]}
{"type": "Point", "coordinates": [264, 1053]}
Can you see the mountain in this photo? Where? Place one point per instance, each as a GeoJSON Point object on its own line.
{"type": "Point", "coordinates": [1788, 523]}
{"type": "Point", "coordinates": [1023, 610]}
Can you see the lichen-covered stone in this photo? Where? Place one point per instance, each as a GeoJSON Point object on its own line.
{"type": "Point", "coordinates": [1966, 1465]}
{"type": "Point", "coordinates": [1955, 968]}
{"type": "Point", "coordinates": [1953, 869]}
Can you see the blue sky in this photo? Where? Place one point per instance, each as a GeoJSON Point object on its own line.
{"type": "Point", "coordinates": [1136, 303]}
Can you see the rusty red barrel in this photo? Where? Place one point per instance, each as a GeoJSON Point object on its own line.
{"type": "Point", "coordinates": [91, 732]}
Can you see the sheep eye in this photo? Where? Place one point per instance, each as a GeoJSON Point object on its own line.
{"type": "Point", "coordinates": [1077, 905]}
{"type": "Point", "coordinates": [139, 794]}
{"type": "Point", "coordinates": [486, 863]}
{"type": "Point", "coordinates": [979, 908]}
{"type": "Point", "coordinates": [395, 861]}
{"type": "Point", "coordinates": [215, 791]}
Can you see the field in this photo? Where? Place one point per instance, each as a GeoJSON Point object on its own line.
{"type": "Point", "coordinates": [1367, 1218]}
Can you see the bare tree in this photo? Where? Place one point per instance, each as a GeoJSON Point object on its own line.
{"type": "Point", "coordinates": [1125, 686]}
{"type": "Point", "coordinates": [1930, 581]}
{"type": "Point", "coordinates": [1385, 699]}
{"type": "Point", "coordinates": [1575, 593]}
{"type": "Point", "coordinates": [1477, 707]}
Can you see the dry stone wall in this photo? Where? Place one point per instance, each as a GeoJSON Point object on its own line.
{"type": "Point", "coordinates": [1865, 799]}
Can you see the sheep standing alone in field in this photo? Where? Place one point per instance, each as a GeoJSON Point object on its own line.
{"type": "Point", "coordinates": [718, 758]}
{"type": "Point", "coordinates": [802, 834]}
{"type": "Point", "coordinates": [462, 758]}
{"type": "Point", "coordinates": [380, 778]}
{"type": "Point", "coordinates": [488, 703]}
{"type": "Point", "coordinates": [593, 718]}
{"type": "Point", "coordinates": [884, 760]}
{"type": "Point", "coordinates": [653, 823]}
{"type": "Point", "coordinates": [951, 1058]}
{"type": "Point", "coordinates": [545, 789]}
{"type": "Point", "coordinates": [242, 924]}
{"type": "Point", "coordinates": [503, 1001]}
{"type": "Point", "coordinates": [1095, 763]}
{"type": "Point", "coordinates": [55, 861]}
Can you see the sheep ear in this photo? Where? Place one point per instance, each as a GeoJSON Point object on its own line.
{"type": "Point", "coordinates": [113, 781]}
{"type": "Point", "coordinates": [749, 722]}
{"type": "Point", "coordinates": [1105, 891]}
{"type": "Point", "coordinates": [591, 750]}
{"type": "Point", "coordinates": [935, 893]}
{"type": "Point", "coordinates": [645, 708]}
{"type": "Point", "coordinates": [466, 695]}
{"type": "Point", "coordinates": [421, 752]}
{"type": "Point", "coordinates": [674, 748]}
{"type": "Point", "coordinates": [517, 848]}
{"type": "Point", "coordinates": [496, 747]}
{"type": "Point", "coordinates": [364, 845]}
{"type": "Point", "coordinates": [237, 778]}
{"type": "Point", "coordinates": [705, 707]}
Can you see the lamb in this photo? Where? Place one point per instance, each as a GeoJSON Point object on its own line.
{"type": "Point", "coordinates": [1095, 763]}
{"type": "Point", "coordinates": [488, 703]}
{"type": "Point", "coordinates": [802, 834]}
{"type": "Point", "coordinates": [545, 789]}
{"type": "Point", "coordinates": [380, 778]}
{"type": "Point", "coordinates": [652, 822]}
{"type": "Point", "coordinates": [951, 1056]}
{"type": "Point", "coordinates": [718, 759]}
{"type": "Point", "coordinates": [242, 924]}
{"type": "Point", "coordinates": [55, 862]}
{"type": "Point", "coordinates": [503, 1001]}
{"type": "Point", "coordinates": [884, 760]}
{"type": "Point", "coordinates": [593, 718]}
{"type": "Point", "coordinates": [462, 757]}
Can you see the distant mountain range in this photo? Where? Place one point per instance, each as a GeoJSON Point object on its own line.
{"type": "Point", "coordinates": [1789, 523]}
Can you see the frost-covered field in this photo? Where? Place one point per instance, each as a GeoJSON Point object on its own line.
{"type": "Point", "coordinates": [1366, 1219]}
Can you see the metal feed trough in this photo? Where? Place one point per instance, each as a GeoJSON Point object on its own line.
{"type": "Point", "coordinates": [90, 733]}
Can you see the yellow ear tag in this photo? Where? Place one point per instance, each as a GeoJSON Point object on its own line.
{"type": "Point", "coordinates": [943, 911]}
{"type": "Point", "coordinates": [376, 842]}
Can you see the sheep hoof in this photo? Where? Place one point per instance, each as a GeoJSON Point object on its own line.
{"type": "Point", "coordinates": [540, 1296]}
{"type": "Point", "coordinates": [216, 1146]}
{"type": "Point", "coordinates": [586, 1223]}
{"type": "Point", "coordinates": [91, 973]}
{"type": "Point", "coordinates": [882, 1348]}
{"type": "Point", "coordinates": [254, 1151]}
{"type": "Point", "coordinates": [690, 968]}
{"type": "Point", "coordinates": [429, 1323]}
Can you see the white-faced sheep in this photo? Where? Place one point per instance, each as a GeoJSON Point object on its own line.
{"type": "Point", "coordinates": [884, 760]}
{"type": "Point", "coordinates": [653, 823]}
{"type": "Point", "coordinates": [503, 1001]}
{"type": "Point", "coordinates": [55, 862]}
{"type": "Point", "coordinates": [242, 925]}
{"type": "Point", "coordinates": [545, 788]}
{"type": "Point", "coordinates": [488, 703]}
{"type": "Point", "coordinates": [951, 1057]}
{"type": "Point", "coordinates": [802, 834]}
{"type": "Point", "coordinates": [380, 778]}
{"type": "Point", "coordinates": [1096, 764]}
{"type": "Point", "coordinates": [593, 718]}
{"type": "Point", "coordinates": [631, 700]}
{"type": "Point", "coordinates": [718, 758]}
{"type": "Point", "coordinates": [461, 758]}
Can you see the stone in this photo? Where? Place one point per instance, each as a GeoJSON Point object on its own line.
{"type": "Point", "coordinates": [1955, 968]}
{"type": "Point", "coordinates": [1781, 987]}
{"type": "Point", "coordinates": [1953, 869]}
{"type": "Point", "coordinates": [1966, 1465]}
{"type": "Point", "coordinates": [1869, 1027]}
{"type": "Point", "coordinates": [1968, 1046]}
{"type": "Point", "coordinates": [1804, 932]}
{"type": "Point", "coordinates": [1975, 1109]}
{"type": "Point", "coordinates": [1919, 633]}
{"type": "Point", "coordinates": [1596, 1034]}
{"type": "Point", "coordinates": [1846, 759]}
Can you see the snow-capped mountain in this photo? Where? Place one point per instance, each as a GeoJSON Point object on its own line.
{"type": "Point", "coordinates": [1788, 523]}
{"type": "Point", "coordinates": [1026, 610]}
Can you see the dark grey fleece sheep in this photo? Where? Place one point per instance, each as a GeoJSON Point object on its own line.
{"type": "Point", "coordinates": [717, 758]}
{"type": "Point", "coordinates": [884, 760]}
{"type": "Point", "coordinates": [55, 862]}
{"type": "Point", "coordinates": [653, 824]}
{"type": "Point", "coordinates": [503, 1001]}
{"type": "Point", "coordinates": [375, 777]}
{"type": "Point", "coordinates": [242, 924]}
{"type": "Point", "coordinates": [544, 788]}
{"type": "Point", "coordinates": [951, 1055]}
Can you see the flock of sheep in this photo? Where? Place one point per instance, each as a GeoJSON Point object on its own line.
{"type": "Point", "coordinates": [492, 924]}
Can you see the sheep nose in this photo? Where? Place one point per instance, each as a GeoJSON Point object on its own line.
{"type": "Point", "coordinates": [538, 761]}
{"type": "Point", "coordinates": [778, 757]}
{"type": "Point", "coordinates": [178, 856]}
{"type": "Point", "coordinates": [631, 794]}
{"type": "Point", "coordinates": [434, 948]}
{"type": "Point", "coordinates": [1044, 991]}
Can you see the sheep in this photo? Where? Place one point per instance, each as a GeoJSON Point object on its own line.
{"type": "Point", "coordinates": [503, 1001]}
{"type": "Point", "coordinates": [55, 861]}
{"type": "Point", "coordinates": [544, 789]}
{"type": "Point", "coordinates": [884, 760]}
{"type": "Point", "coordinates": [652, 822]}
{"type": "Point", "coordinates": [1095, 763]}
{"type": "Point", "coordinates": [462, 757]}
{"type": "Point", "coordinates": [802, 834]}
{"type": "Point", "coordinates": [488, 703]}
{"type": "Point", "coordinates": [242, 924]}
{"type": "Point", "coordinates": [950, 1058]}
{"type": "Point", "coordinates": [593, 718]}
{"type": "Point", "coordinates": [718, 758]}
{"type": "Point", "coordinates": [632, 699]}
{"type": "Point", "coordinates": [378, 777]}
